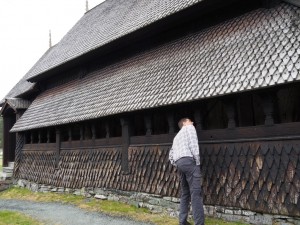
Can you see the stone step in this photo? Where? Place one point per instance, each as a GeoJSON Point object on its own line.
{"type": "Point", "coordinates": [7, 169]}
{"type": "Point", "coordinates": [5, 175]}
{"type": "Point", "coordinates": [7, 172]}
{"type": "Point", "coordinates": [4, 184]}
{"type": "Point", "coordinates": [11, 164]}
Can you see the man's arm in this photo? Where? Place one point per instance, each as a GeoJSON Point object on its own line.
{"type": "Point", "coordinates": [171, 157]}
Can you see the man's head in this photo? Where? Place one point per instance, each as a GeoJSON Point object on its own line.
{"type": "Point", "coordinates": [184, 122]}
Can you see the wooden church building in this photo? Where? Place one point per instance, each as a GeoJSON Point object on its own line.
{"type": "Point", "coordinates": [100, 108]}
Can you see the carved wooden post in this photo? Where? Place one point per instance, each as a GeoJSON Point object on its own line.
{"type": "Point", "coordinates": [148, 125]}
{"type": "Point", "coordinates": [31, 137]}
{"type": "Point", "coordinates": [39, 137]}
{"type": "Point", "coordinates": [229, 106]}
{"type": "Point", "coordinates": [48, 135]}
{"type": "Point", "coordinates": [81, 133]}
{"type": "Point", "coordinates": [107, 129]}
{"type": "Point", "coordinates": [93, 132]}
{"type": "Point", "coordinates": [58, 142]}
{"type": "Point", "coordinates": [198, 120]}
{"type": "Point", "coordinates": [268, 108]}
{"type": "Point", "coordinates": [69, 134]}
{"type": "Point", "coordinates": [125, 142]}
{"type": "Point", "coordinates": [171, 123]}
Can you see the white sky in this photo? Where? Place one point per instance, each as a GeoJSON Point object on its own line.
{"type": "Point", "coordinates": [24, 33]}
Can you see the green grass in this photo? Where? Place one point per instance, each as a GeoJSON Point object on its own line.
{"type": "Point", "coordinates": [13, 218]}
{"type": "Point", "coordinates": [108, 207]}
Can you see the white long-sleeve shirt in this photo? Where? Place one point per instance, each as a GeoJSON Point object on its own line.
{"type": "Point", "coordinates": [185, 144]}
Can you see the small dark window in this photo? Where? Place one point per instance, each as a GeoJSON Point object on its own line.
{"type": "Point", "coordinates": [249, 110]}
{"type": "Point", "coordinates": [87, 132]}
{"type": "Point", "coordinates": [64, 133]}
{"type": "Point", "coordinates": [35, 136]}
{"type": "Point", "coordinates": [100, 129]}
{"type": "Point", "coordinates": [159, 123]}
{"type": "Point", "coordinates": [43, 135]}
{"type": "Point", "coordinates": [52, 135]}
{"type": "Point", "coordinates": [27, 137]}
{"type": "Point", "coordinates": [115, 128]}
{"type": "Point", "coordinates": [288, 104]}
{"type": "Point", "coordinates": [215, 116]}
{"type": "Point", "coordinates": [138, 125]}
{"type": "Point", "coordinates": [76, 132]}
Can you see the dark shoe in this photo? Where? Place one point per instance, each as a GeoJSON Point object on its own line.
{"type": "Point", "coordinates": [186, 223]}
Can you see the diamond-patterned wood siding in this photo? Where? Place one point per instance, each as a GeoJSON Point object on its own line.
{"type": "Point", "coordinates": [149, 169]}
{"type": "Point", "coordinates": [262, 177]}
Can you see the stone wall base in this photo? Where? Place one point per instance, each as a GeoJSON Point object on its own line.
{"type": "Point", "coordinates": [160, 204]}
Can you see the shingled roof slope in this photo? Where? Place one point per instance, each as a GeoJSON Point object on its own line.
{"type": "Point", "coordinates": [105, 23]}
{"type": "Point", "coordinates": [256, 50]}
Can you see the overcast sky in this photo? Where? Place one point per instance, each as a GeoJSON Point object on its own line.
{"type": "Point", "coordinates": [24, 29]}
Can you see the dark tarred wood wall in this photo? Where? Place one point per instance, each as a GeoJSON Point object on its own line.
{"type": "Point", "coordinates": [260, 175]}
{"type": "Point", "coordinates": [254, 167]}
{"type": "Point", "coordinates": [9, 139]}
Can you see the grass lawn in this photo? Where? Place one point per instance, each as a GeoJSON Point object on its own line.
{"type": "Point", "coordinates": [104, 206]}
{"type": "Point", "coordinates": [12, 218]}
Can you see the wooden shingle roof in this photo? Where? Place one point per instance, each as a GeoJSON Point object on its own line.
{"type": "Point", "coordinates": [253, 51]}
{"type": "Point", "coordinates": [105, 23]}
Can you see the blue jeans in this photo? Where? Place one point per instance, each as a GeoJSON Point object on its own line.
{"type": "Point", "coordinates": [190, 190]}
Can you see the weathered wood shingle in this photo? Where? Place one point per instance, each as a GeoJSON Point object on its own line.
{"type": "Point", "coordinates": [105, 23]}
{"type": "Point", "coordinates": [257, 50]}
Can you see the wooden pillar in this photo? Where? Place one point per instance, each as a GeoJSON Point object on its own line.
{"type": "Point", "coordinates": [229, 106]}
{"type": "Point", "coordinates": [58, 143]}
{"type": "Point", "coordinates": [148, 125]}
{"type": "Point", "coordinates": [268, 106]}
{"type": "Point", "coordinates": [125, 143]}
{"type": "Point", "coordinates": [39, 137]}
{"type": "Point", "coordinates": [81, 133]}
{"type": "Point", "coordinates": [107, 130]}
{"type": "Point", "coordinates": [171, 123]}
{"type": "Point", "coordinates": [48, 135]}
{"type": "Point", "coordinates": [198, 120]}
{"type": "Point", "coordinates": [31, 137]}
{"type": "Point", "coordinates": [69, 133]}
{"type": "Point", "coordinates": [93, 132]}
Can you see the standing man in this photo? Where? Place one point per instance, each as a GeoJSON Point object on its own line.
{"type": "Point", "coordinates": [184, 154]}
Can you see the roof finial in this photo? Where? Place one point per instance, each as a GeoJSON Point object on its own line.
{"type": "Point", "coordinates": [86, 5]}
{"type": "Point", "coordinates": [50, 41]}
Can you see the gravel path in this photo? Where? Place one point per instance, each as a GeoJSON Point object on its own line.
{"type": "Point", "coordinates": [63, 214]}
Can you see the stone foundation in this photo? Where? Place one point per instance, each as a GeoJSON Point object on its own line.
{"type": "Point", "coordinates": [159, 204]}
